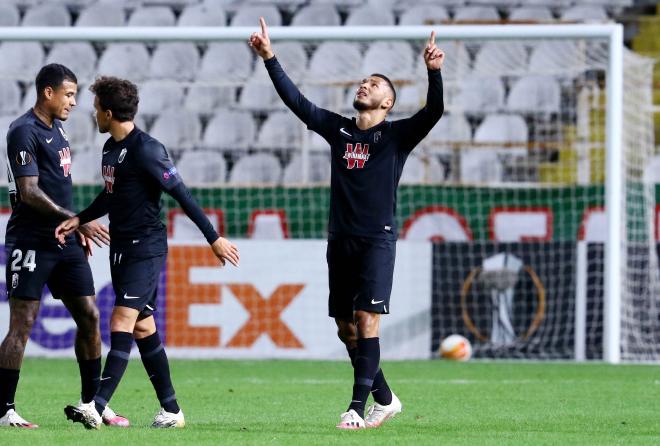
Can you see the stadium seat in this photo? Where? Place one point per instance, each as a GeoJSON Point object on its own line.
{"type": "Point", "coordinates": [20, 60]}
{"type": "Point", "coordinates": [535, 94]}
{"type": "Point", "coordinates": [424, 14]}
{"type": "Point", "coordinates": [227, 62]}
{"type": "Point", "coordinates": [280, 131]}
{"type": "Point", "coordinates": [177, 131]}
{"type": "Point", "coordinates": [409, 98]}
{"type": "Point", "coordinates": [393, 59]}
{"type": "Point", "coordinates": [175, 5]}
{"type": "Point", "coordinates": [156, 96]}
{"type": "Point", "coordinates": [73, 5]}
{"type": "Point", "coordinates": [80, 57]}
{"type": "Point", "coordinates": [125, 60]}
{"type": "Point", "coordinates": [291, 56]}
{"type": "Point", "coordinates": [478, 95]}
{"type": "Point", "coordinates": [248, 15]}
{"type": "Point", "coordinates": [531, 14]}
{"type": "Point", "coordinates": [370, 15]}
{"type": "Point", "coordinates": [259, 94]}
{"type": "Point", "coordinates": [501, 128]}
{"type": "Point", "coordinates": [47, 15]}
{"type": "Point", "coordinates": [4, 128]}
{"type": "Point", "coordinates": [10, 98]}
{"type": "Point", "coordinates": [80, 130]}
{"type": "Point", "coordinates": [335, 62]}
{"type": "Point", "coordinates": [315, 142]}
{"type": "Point", "coordinates": [86, 166]}
{"type": "Point", "coordinates": [256, 169]}
{"type": "Point", "coordinates": [341, 4]}
{"type": "Point", "coordinates": [319, 170]}
{"type": "Point", "coordinates": [230, 130]}
{"type": "Point", "coordinates": [9, 15]}
{"type": "Point", "coordinates": [316, 15]}
{"type": "Point", "coordinates": [421, 169]}
{"type": "Point", "coordinates": [558, 57]}
{"type": "Point", "coordinates": [202, 15]}
{"type": "Point", "coordinates": [452, 129]}
{"type": "Point", "coordinates": [206, 99]}
{"type": "Point", "coordinates": [152, 16]}
{"type": "Point", "coordinates": [102, 14]}
{"type": "Point", "coordinates": [456, 64]}
{"type": "Point", "coordinates": [476, 14]}
{"type": "Point", "coordinates": [501, 58]}
{"type": "Point", "coordinates": [84, 99]}
{"type": "Point", "coordinates": [584, 13]}
{"type": "Point", "coordinates": [198, 167]}
{"type": "Point", "coordinates": [174, 60]}
{"type": "Point", "coordinates": [325, 96]}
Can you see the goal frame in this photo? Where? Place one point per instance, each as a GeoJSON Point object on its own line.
{"type": "Point", "coordinates": [614, 103]}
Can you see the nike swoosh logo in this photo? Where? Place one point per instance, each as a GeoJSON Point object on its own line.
{"type": "Point", "coordinates": [49, 140]}
{"type": "Point", "coordinates": [374, 302]}
{"type": "Point", "coordinates": [105, 152]}
{"type": "Point", "coordinates": [126, 296]}
{"type": "Point", "coordinates": [342, 130]}
{"type": "Point", "coordinates": [103, 379]}
{"type": "Point", "coordinates": [135, 242]}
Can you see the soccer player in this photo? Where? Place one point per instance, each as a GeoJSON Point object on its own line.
{"type": "Point", "coordinates": [40, 191]}
{"type": "Point", "coordinates": [136, 169]}
{"type": "Point", "coordinates": [367, 157]}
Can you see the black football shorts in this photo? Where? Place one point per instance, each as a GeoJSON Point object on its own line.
{"type": "Point", "coordinates": [360, 272]}
{"type": "Point", "coordinates": [64, 269]}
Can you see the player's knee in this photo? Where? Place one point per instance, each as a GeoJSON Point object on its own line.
{"type": "Point", "coordinates": [90, 320]}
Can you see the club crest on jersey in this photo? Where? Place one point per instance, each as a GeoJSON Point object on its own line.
{"type": "Point", "coordinates": [14, 280]}
{"type": "Point", "coordinates": [63, 133]}
{"type": "Point", "coordinates": [122, 155]}
{"type": "Point", "coordinates": [65, 160]}
{"type": "Point", "coordinates": [356, 156]}
{"type": "Point", "coordinates": [108, 173]}
{"type": "Point", "coordinates": [377, 137]}
{"type": "Point", "coordinates": [23, 158]}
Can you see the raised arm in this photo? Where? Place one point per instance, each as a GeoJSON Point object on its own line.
{"type": "Point", "coordinates": [417, 126]}
{"type": "Point", "coordinates": [305, 110]}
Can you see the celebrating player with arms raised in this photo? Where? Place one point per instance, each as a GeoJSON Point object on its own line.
{"type": "Point", "coordinates": [367, 157]}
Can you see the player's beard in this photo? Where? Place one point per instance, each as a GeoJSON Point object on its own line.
{"type": "Point", "coordinates": [361, 106]}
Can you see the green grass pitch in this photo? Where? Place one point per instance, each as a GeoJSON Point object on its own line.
{"type": "Point", "coordinates": [299, 402]}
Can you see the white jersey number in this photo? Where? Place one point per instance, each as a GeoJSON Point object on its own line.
{"type": "Point", "coordinates": [29, 262]}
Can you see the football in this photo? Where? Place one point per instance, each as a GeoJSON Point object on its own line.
{"type": "Point", "coordinates": [456, 348]}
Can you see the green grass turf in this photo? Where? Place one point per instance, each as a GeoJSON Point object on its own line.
{"type": "Point", "coordinates": [299, 402]}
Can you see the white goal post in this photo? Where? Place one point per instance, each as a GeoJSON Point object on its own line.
{"type": "Point", "coordinates": [615, 245]}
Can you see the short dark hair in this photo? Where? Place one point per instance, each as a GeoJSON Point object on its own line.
{"type": "Point", "coordinates": [120, 96]}
{"type": "Point", "coordinates": [389, 84]}
{"type": "Point", "coordinates": [53, 75]}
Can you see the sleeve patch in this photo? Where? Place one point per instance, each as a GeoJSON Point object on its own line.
{"type": "Point", "coordinates": [23, 158]}
{"type": "Point", "coordinates": [169, 173]}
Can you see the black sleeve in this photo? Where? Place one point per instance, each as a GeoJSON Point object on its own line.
{"type": "Point", "coordinates": [414, 129]}
{"type": "Point", "coordinates": [316, 118]}
{"type": "Point", "coordinates": [155, 161]}
{"type": "Point", "coordinates": [182, 195]}
{"type": "Point", "coordinates": [22, 152]}
{"type": "Point", "coordinates": [98, 208]}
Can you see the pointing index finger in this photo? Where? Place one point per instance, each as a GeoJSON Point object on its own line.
{"type": "Point", "coordinates": [432, 39]}
{"type": "Point", "coordinates": [264, 28]}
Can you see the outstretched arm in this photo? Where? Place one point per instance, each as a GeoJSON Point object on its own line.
{"type": "Point", "coordinates": [417, 127]}
{"type": "Point", "coordinates": [84, 222]}
{"type": "Point", "coordinates": [305, 110]}
{"type": "Point", "coordinates": [222, 248]}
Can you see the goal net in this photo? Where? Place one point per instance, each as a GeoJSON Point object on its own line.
{"type": "Point", "coordinates": [509, 188]}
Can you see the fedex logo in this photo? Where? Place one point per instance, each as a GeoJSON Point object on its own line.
{"type": "Point", "coordinates": [356, 157]}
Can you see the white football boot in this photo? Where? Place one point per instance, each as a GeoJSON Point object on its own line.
{"type": "Point", "coordinates": [12, 419]}
{"type": "Point", "coordinates": [377, 414]}
{"type": "Point", "coordinates": [109, 417]}
{"type": "Point", "coordinates": [85, 414]}
{"type": "Point", "coordinates": [165, 419]}
{"type": "Point", "coordinates": [350, 420]}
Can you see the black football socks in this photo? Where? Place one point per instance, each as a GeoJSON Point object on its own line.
{"type": "Point", "coordinates": [90, 378]}
{"type": "Point", "coordinates": [380, 390]}
{"type": "Point", "coordinates": [8, 383]}
{"type": "Point", "coordinates": [365, 367]}
{"type": "Point", "coordinates": [157, 366]}
{"type": "Point", "coordinates": [115, 366]}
